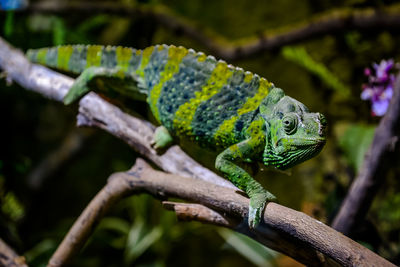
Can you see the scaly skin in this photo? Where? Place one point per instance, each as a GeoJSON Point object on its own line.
{"type": "Point", "coordinates": [195, 97]}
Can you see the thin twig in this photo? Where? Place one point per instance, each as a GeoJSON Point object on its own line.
{"type": "Point", "coordinates": [138, 133]}
{"type": "Point", "coordinates": [378, 160]}
{"type": "Point", "coordinates": [334, 21]}
{"type": "Point", "coordinates": [8, 257]}
{"type": "Point", "coordinates": [87, 221]}
{"type": "Point", "coordinates": [288, 231]}
{"type": "Point", "coordinates": [201, 213]}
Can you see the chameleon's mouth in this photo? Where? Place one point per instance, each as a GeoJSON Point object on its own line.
{"type": "Point", "coordinates": [300, 143]}
{"type": "Point", "coordinates": [293, 151]}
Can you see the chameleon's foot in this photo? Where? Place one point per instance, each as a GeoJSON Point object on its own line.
{"type": "Point", "coordinates": [161, 139]}
{"type": "Point", "coordinates": [256, 207]}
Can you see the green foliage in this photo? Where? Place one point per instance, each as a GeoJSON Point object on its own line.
{"type": "Point", "coordinates": [300, 56]}
{"type": "Point", "coordinates": [138, 231]}
{"type": "Point", "coordinates": [9, 24]}
{"type": "Point", "coordinates": [10, 206]}
{"type": "Point", "coordinates": [83, 31]}
{"type": "Point", "coordinates": [62, 33]}
{"type": "Point", "coordinates": [140, 238]}
{"type": "Point", "coordinates": [38, 255]}
{"type": "Point", "coordinates": [355, 142]}
{"type": "Point", "coordinates": [59, 31]}
{"type": "Point", "coordinates": [253, 251]}
{"type": "Point", "coordinates": [390, 210]}
{"type": "Point", "coordinates": [138, 234]}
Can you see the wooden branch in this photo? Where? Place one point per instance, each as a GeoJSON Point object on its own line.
{"type": "Point", "coordinates": [201, 213]}
{"type": "Point", "coordinates": [138, 133]}
{"type": "Point", "coordinates": [8, 257]}
{"type": "Point", "coordinates": [288, 231]}
{"type": "Point", "coordinates": [94, 111]}
{"type": "Point", "coordinates": [88, 220]}
{"type": "Point", "coordinates": [344, 19]}
{"type": "Point", "coordinates": [378, 160]}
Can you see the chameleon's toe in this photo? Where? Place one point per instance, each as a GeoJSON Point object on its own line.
{"type": "Point", "coordinates": [162, 138]}
{"type": "Point", "coordinates": [256, 207]}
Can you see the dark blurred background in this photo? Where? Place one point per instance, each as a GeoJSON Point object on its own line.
{"type": "Point", "coordinates": [49, 169]}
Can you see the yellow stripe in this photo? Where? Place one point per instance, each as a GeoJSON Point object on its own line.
{"type": "Point", "coordinates": [175, 56]}
{"type": "Point", "coordinates": [224, 133]}
{"type": "Point", "coordinates": [253, 102]}
{"type": "Point", "coordinates": [63, 56]}
{"type": "Point", "coordinates": [226, 128]}
{"type": "Point", "coordinates": [124, 54]}
{"type": "Point", "coordinates": [184, 115]}
{"type": "Point", "coordinates": [93, 57]}
{"type": "Point", "coordinates": [145, 60]}
{"type": "Point", "coordinates": [41, 56]}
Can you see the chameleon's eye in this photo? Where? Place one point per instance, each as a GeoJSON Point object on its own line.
{"type": "Point", "coordinates": [289, 123]}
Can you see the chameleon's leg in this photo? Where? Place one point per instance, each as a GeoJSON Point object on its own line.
{"type": "Point", "coordinates": [162, 138]}
{"type": "Point", "coordinates": [225, 163]}
{"type": "Point", "coordinates": [87, 82]}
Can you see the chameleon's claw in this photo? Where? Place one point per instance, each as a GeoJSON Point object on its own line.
{"type": "Point", "coordinates": [161, 139]}
{"type": "Point", "coordinates": [256, 207]}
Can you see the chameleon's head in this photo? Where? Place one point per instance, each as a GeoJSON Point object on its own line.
{"type": "Point", "coordinates": [293, 133]}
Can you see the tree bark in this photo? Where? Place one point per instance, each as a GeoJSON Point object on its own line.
{"type": "Point", "coordinates": [285, 230]}
{"type": "Point", "coordinates": [377, 162]}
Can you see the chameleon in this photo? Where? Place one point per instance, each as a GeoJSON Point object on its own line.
{"type": "Point", "coordinates": [239, 115]}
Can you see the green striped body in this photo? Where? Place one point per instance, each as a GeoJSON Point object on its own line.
{"type": "Point", "coordinates": [192, 95]}
{"type": "Point", "coordinates": [196, 98]}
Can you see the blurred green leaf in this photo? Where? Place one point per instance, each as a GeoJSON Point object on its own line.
{"type": "Point", "coordinates": [9, 24]}
{"type": "Point", "coordinates": [93, 22]}
{"type": "Point", "coordinates": [253, 251]}
{"type": "Point", "coordinates": [40, 23]}
{"type": "Point", "coordinates": [59, 31]}
{"type": "Point", "coordinates": [115, 224]}
{"type": "Point", "coordinates": [43, 247]}
{"type": "Point", "coordinates": [355, 142]}
{"type": "Point", "coordinates": [390, 209]}
{"type": "Point", "coordinates": [300, 56]}
{"type": "Point", "coordinates": [140, 239]}
{"type": "Point", "coordinates": [11, 206]}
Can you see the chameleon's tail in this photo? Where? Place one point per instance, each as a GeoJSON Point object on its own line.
{"type": "Point", "coordinates": [76, 58]}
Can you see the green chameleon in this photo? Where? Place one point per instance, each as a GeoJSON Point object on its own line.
{"type": "Point", "coordinates": [196, 98]}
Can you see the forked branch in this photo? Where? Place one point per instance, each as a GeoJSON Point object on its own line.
{"type": "Point", "coordinates": [291, 232]}
{"type": "Point", "coordinates": [288, 231]}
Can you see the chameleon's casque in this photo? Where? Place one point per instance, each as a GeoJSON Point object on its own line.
{"type": "Point", "coordinates": [197, 98]}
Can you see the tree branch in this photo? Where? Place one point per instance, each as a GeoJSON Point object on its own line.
{"type": "Point", "coordinates": [8, 257]}
{"type": "Point", "coordinates": [201, 213]}
{"type": "Point", "coordinates": [288, 231]}
{"type": "Point", "coordinates": [344, 19]}
{"type": "Point", "coordinates": [377, 162]}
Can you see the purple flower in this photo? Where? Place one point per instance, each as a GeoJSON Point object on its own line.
{"type": "Point", "coordinates": [379, 89]}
